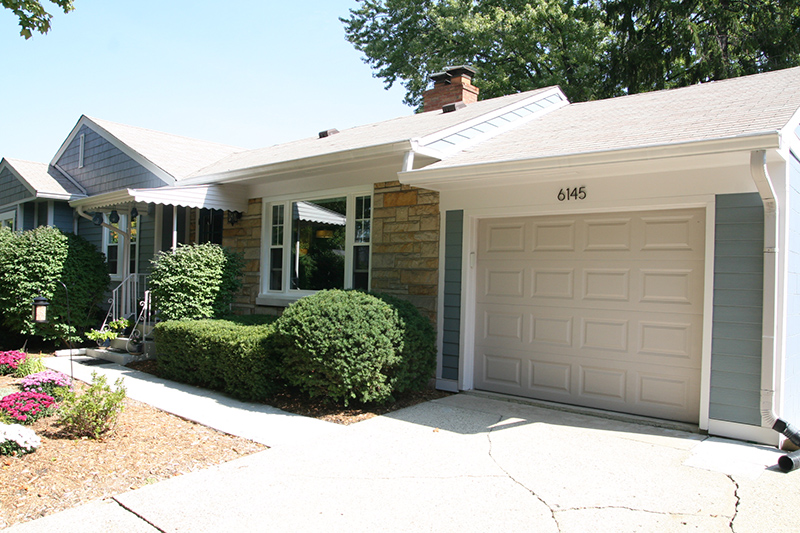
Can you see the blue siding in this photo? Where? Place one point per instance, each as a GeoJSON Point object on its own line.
{"type": "Point", "coordinates": [90, 232]}
{"type": "Point", "coordinates": [41, 214]}
{"type": "Point", "coordinates": [451, 332]}
{"type": "Point", "coordinates": [738, 293]}
{"type": "Point", "coordinates": [147, 243]}
{"type": "Point", "coordinates": [28, 212]}
{"type": "Point", "coordinates": [62, 217]}
{"type": "Point", "coordinates": [11, 189]}
{"type": "Point", "coordinates": [791, 384]}
{"type": "Point", "coordinates": [105, 167]}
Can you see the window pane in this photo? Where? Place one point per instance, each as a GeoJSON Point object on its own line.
{"type": "Point", "coordinates": [276, 269]}
{"type": "Point", "coordinates": [111, 259]}
{"type": "Point", "coordinates": [318, 244]}
{"type": "Point", "coordinates": [361, 267]}
{"type": "Point", "coordinates": [277, 225]}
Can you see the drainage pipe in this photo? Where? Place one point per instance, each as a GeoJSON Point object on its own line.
{"type": "Point", "coordinates": [761, 177]}
{"type": "Point", "coordinates": [790, 461]}
{"type": "Point", "coordinates": [763, 182]}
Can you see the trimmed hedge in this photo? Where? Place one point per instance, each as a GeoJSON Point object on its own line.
{"type": "Point", "coordinates": [219, 354]}
{"type": "Point", "coordinates": [195, 281]}
{"type": "Point", "coordinates": [418, 356]}
{"type": "Point", "coordinates": [340, 345]}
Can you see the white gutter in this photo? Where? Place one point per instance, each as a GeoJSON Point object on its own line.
{"type": "Point", "coordinates": [468, 172]}
{"type": "Point", "coordinates": [761, 177]}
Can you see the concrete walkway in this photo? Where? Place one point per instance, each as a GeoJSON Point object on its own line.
{"type": "Point", "coordinates": [461, 463]}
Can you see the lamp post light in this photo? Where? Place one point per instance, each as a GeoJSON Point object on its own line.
{"type": "Point", "coordinates": [40, 305]}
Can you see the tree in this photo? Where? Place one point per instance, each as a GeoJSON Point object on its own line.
{"type": "Point", "coordinates": [592, 48]}
{"type": "Point", "coordinates": [32, 14]}
{"type": "Point", "coordinates": [36, 263]}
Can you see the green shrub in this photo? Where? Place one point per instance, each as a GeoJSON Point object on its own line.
{"type": "Point", "coordinates": [30, 365]}
{"type": "Point", "coordinates": [195, 281]}
{"type": "Point", "coordinates": [32, 263]}
{"type": "Point", "coordinates": [340, 345]}
{"type": "Point", "coordinates": [251, 320]}
{"type": "Point", "coordinates": [93, 412]}
{"type": "Point", "coordinates": [219, 354]}
{"type": "Point", "coordinates": [418, 357]}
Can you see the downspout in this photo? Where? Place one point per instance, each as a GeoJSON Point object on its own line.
{"type": "Point", "coordinates": [763, 182]}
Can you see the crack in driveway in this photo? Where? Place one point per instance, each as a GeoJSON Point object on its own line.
{"type": "Point", "coordinates": [737, 499]}
{"type": "Point", "coordinates": [508, 474]}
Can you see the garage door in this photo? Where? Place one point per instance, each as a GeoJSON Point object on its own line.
{"type": "Point", "coordinates": [597, 310]}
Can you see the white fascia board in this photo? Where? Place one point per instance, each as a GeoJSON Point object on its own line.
{"type": "Point", "coordinates": [427, 140]}
{"type": "Point", "coordinates": [162, 174]}
{"type": "Point", "coordinates": [429, 178]}
{"type": "Point", "coordinates": [304, 165]}
{"type": "Point", "coordinates": [5, 164]}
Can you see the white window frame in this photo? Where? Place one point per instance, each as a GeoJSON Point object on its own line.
{"type": "Point", "coordinates": [123, 225]}
{"type": "Point", "coordinates": [6, 216]}
{"type": "Point", "coordinates": [287, 295]}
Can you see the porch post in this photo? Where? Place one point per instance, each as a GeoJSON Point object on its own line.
{"type": "Point", "coordinates": [174, 227]}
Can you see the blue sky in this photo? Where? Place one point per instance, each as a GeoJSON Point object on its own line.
{"type": "Point", "coordinates": [251, 75]}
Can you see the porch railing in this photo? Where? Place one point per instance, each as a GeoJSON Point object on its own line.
{"type": "Point", "coordinates": [131, 300]}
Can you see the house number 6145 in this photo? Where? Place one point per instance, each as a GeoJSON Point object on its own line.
{"type": "Point", "coordinates": [574, 193]}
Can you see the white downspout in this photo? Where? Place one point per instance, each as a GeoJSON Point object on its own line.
{"type": "Point", "coordinates": [760, 174]}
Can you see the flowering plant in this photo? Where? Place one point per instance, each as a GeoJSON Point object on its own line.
{"type": "Point", "coordinates": [47, 382]}
{"type": "Point", "coordinates": [27, 407]}
{"type": "Point", "coordinates": [17, 440]}
{"type": "Point", "coordinates": [9, 361]}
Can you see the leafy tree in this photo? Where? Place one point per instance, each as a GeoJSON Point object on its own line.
{"type": "Point", "coordinates": [32, 14]}
{"type": "Point", "coordinates": [592, 48]}
{"type": "Point", "coordinates": [35, 263]}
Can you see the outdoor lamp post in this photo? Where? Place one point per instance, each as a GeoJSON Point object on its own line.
{"type": "Point", "coordinates": [40, 304]}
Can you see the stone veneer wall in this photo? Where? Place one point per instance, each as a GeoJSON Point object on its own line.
{"type": "Point", "coordinates": [245, 237]}
{"type": "Point", "coordinates": [405, 244]}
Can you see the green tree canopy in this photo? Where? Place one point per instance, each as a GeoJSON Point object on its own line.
{"type": "Point", "coordinates": [593, 49]}
{"type": "Point", "coordinates": [32, 14]}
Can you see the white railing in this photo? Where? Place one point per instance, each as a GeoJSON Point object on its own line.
{"type": "Point", "coordinates": [131, 300]}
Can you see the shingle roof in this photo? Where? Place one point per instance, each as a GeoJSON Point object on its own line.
{"type": "Point", "coordinates": [44, 183]}
{"type": "Point", "coordinates": [178, 156]}
{"type": "Point", "coordinates": [747, 105]}
{"type": "Point", "coordinates": [380, 133]}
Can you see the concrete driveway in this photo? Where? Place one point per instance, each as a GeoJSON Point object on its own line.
{"type": "Point", "coordinates": [468, 462]}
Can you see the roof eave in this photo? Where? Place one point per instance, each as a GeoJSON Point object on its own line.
{"type": "Point", "coordinates": [431, 177]}
{"type": "Point", "coordinates": [305, 164]}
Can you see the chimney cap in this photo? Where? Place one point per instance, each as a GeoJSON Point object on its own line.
{"type": "Point", "coordinates": [452, 72]}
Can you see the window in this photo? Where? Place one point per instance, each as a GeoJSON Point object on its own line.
{"type": "Point", "coordinates": [7, 220]}
{"type": "Point", "coordinates": [113, 241]}
{"type": "Point", "coordinates": [319, 243]}
{"type": "Point", "coordinates": [210, 226]}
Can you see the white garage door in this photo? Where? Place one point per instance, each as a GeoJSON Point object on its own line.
{"type": "Point", "coordinates": [598, 310]}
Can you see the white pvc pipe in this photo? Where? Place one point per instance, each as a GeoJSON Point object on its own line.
{"type": "Point", "coordinates": [760, 174]}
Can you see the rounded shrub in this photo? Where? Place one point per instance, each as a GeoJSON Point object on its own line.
{"type": "Point", "coordinates": [195, 281]}
{"type": "Point", "coordinates": [418, 357]}
{"type": "Point", "coordinates": [340, 345]}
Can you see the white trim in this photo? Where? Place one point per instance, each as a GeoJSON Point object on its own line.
{"type": "Point", "coordinates": [435, 178]}
{"type": "Point", "coordinates": [288, 295]}
{"type": "Point", "coordinates": [708, 313]}
{"type": "Point", "coordinates": [743, 432]}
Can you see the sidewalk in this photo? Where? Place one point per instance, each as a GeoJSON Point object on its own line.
{"type": "Point", "coordinates": [461, 463]}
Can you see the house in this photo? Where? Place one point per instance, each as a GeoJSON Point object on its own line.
{"type": "Point", "coordinates": [635, 254]}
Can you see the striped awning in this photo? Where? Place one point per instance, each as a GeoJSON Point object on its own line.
{"type": "Point", "coordinates": [225, 197]}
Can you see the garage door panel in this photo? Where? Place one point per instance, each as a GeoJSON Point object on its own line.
{"type": "Point", "coordinates": [606, 234]}
{"type": "Point", "coordinates": [597, 310]}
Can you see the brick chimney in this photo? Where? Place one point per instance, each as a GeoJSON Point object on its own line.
{"type": "Point", "coordinates": [453, 86]}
